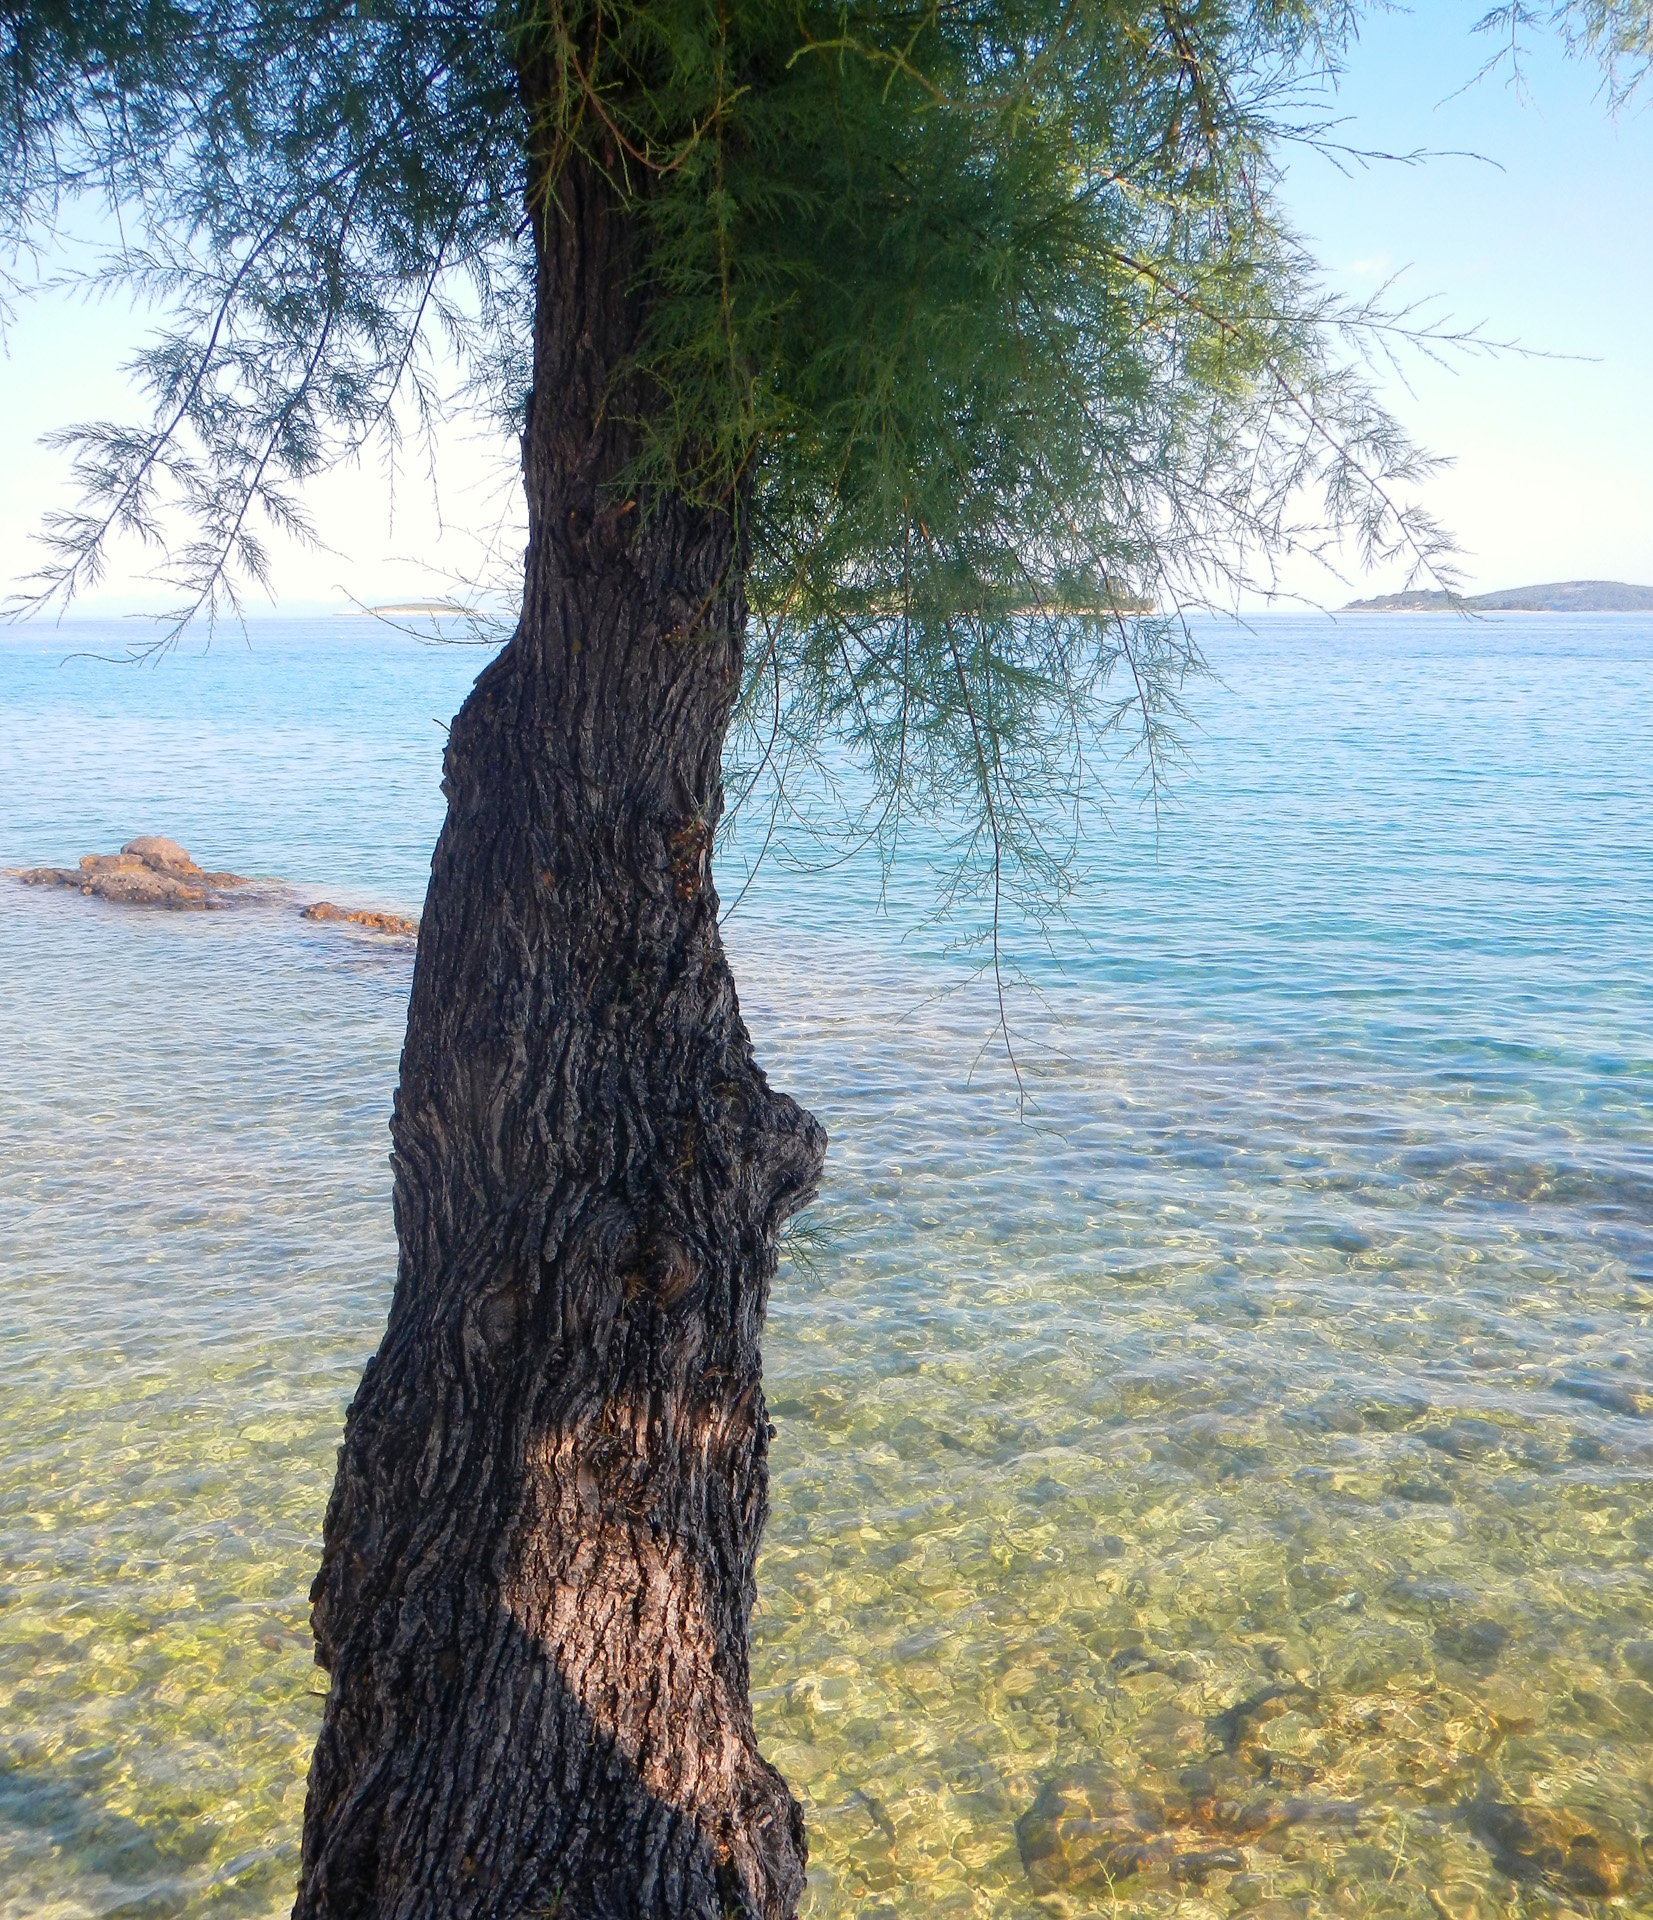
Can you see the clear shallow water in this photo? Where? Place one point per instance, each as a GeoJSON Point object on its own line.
{"type": "Point", "coordinates": [1240, 1472]}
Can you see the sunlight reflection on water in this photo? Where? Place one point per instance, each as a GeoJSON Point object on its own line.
{"type": "Point", "coordinates": [1222, 1488]}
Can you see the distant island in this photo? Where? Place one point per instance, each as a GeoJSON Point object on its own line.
{"type": "Point", "coordinates": [427, 607]}
{"type": "Point", "coordinates": [1561, 596]}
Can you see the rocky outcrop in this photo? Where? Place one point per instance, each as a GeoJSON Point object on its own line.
{"type": "Point", "coordinates": [154, 872]}
{"type": "Point", "coordinates": [368, 917]}
{"type": "Point", "coordinates": [147, 872]}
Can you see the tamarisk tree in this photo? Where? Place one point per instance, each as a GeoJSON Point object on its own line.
{"type": "Point", "coordinates": [879, 366]}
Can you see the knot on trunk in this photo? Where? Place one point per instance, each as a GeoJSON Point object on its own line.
{"type": "Point", "coordinates": [691, 846]}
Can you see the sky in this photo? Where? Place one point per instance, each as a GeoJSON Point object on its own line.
{"type": "Point", "coordinates": [1541, 238]}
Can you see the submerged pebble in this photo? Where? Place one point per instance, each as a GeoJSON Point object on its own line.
{"type": "Point", "coordinates": [1477, 1643]}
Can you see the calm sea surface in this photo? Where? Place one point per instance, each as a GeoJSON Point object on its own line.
{"type": "Point", "coordinates": [1226, 1488]}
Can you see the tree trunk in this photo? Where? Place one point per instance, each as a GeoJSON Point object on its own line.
{"type": "Point", "coordinates": [538, 1570]}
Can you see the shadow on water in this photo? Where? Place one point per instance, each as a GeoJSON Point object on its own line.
{"type": "Point", "coordinates": [65, 1806]}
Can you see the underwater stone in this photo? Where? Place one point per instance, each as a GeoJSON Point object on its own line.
{"type": "Point", "coordinates": [1556, 1847]}
{"type": "Point", "coordinates": [1515, 1707]}
{"type": "Point", "coordinates": [1463, 1439]}
{"type": "Point", "coordinates": [1088, 1831]}
{"type": "Point", "coordinates": [1239, 1725]}
{"type": "Point", "coordinates": [1473, 1643]}
{"type": "Point", "coordinates": [1638, 1657]}
{"type": "Point", "coordinates": [1327, 1579]}
{"type": "Point", "coordinates": [1424, 1595]}
{"type": "Point", "coordinates": [1422, 1492]}
{"type": "Point", "coordinates": [1635, 1702]}
{"type": "Point", "coordinates": [1607, 1394]}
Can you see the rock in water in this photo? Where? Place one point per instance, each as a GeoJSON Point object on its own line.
{"type": "Point", "coordinates": [1087, 1833]}
{"type": "Point", "coordinates": [165, 856]}
{"type": "Point", "coordinates": [152, 871]}
{"type": "Point", "coordinates": [1473, 1643]}
{"type": "Point", "coordinates": [368, 917]}
{"type": "Point", "coordinates": [1638, 1657]}
{"type": "Point", "coordinates": [147, 872]}
{"type": "Point", "coordinates": [1557, 1847]}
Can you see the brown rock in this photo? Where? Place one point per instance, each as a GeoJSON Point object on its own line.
{"type": "Point", "coordinates": [147, 872]}
{"type": "Point", "coordinates": [165, 856]}
{"type": "Point", "coordinates": [1240, 1726]}
{"type": "Point", "coordinates": [154, 872]}
{"type": "Point", "coordinates": [368, 917]}
{"type": "Point", "coordinates": [1557, 1847]}
{"type": "Point", "coordinates": [1088, 1832]}
{"type": "Point", "coordinates": [140, 887]}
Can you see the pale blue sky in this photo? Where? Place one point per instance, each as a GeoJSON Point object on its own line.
{"type": "Point", "coordinates": [1554, 459]}
{"type": "Point", "coordinates": [1552, 479]}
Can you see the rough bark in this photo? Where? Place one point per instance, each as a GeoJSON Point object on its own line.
{"type": "Point", "coordinates": [537, 1579]}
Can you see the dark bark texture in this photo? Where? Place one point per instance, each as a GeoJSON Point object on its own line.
{"type": "Point", "coordinates": [537, 1580]}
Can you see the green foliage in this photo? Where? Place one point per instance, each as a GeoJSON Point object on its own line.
{"type": "Point", "coordinates": [980, 315]}
{"type": "Point", "coordinates": [1617, 33]}
{"type": "Point", "coordinates": [314, 199]}
{"type": "Point", "coordinates": [984, 319]}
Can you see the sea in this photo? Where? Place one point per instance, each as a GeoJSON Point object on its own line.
{"type": "Point", "coordinates": [1212, 1477]}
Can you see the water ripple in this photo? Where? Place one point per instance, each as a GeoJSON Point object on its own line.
{"type": "Point", "coordinates": [1221, 1485]}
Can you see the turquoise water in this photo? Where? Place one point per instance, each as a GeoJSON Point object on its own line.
{"type": "Point", "coordinates": [1224, 1487]}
